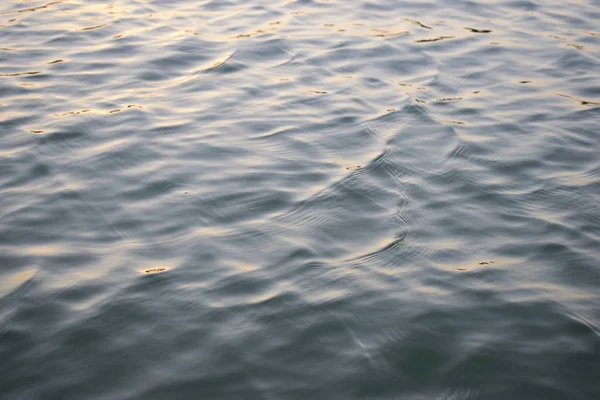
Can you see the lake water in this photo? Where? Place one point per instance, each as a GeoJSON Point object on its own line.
{"type": "Point", "coordinates": [302, 199]}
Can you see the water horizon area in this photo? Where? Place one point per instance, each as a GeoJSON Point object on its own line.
{"type": "Point", "coordinates": [300, 199]}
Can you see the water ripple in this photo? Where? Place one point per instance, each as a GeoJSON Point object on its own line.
{"type": "Point", "coordinates": [294, 199]}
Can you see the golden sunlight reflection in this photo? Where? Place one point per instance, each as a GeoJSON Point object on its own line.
{"type": "Point", "coordinates": [12, 281]}
{"type": "Point", "coordinates": [35, 8]}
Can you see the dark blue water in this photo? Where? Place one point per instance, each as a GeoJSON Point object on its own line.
{"type": "Point", "coordinates": [299, 200]}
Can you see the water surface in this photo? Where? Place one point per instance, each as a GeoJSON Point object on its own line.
{"type": "Point", "coordinates": [299, 199]}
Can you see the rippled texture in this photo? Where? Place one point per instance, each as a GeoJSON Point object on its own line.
{"type": "Point", "coordinates": [299, 199]}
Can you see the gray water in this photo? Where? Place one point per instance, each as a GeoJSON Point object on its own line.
{"type": "Point", "coordinates": [299, 199]}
